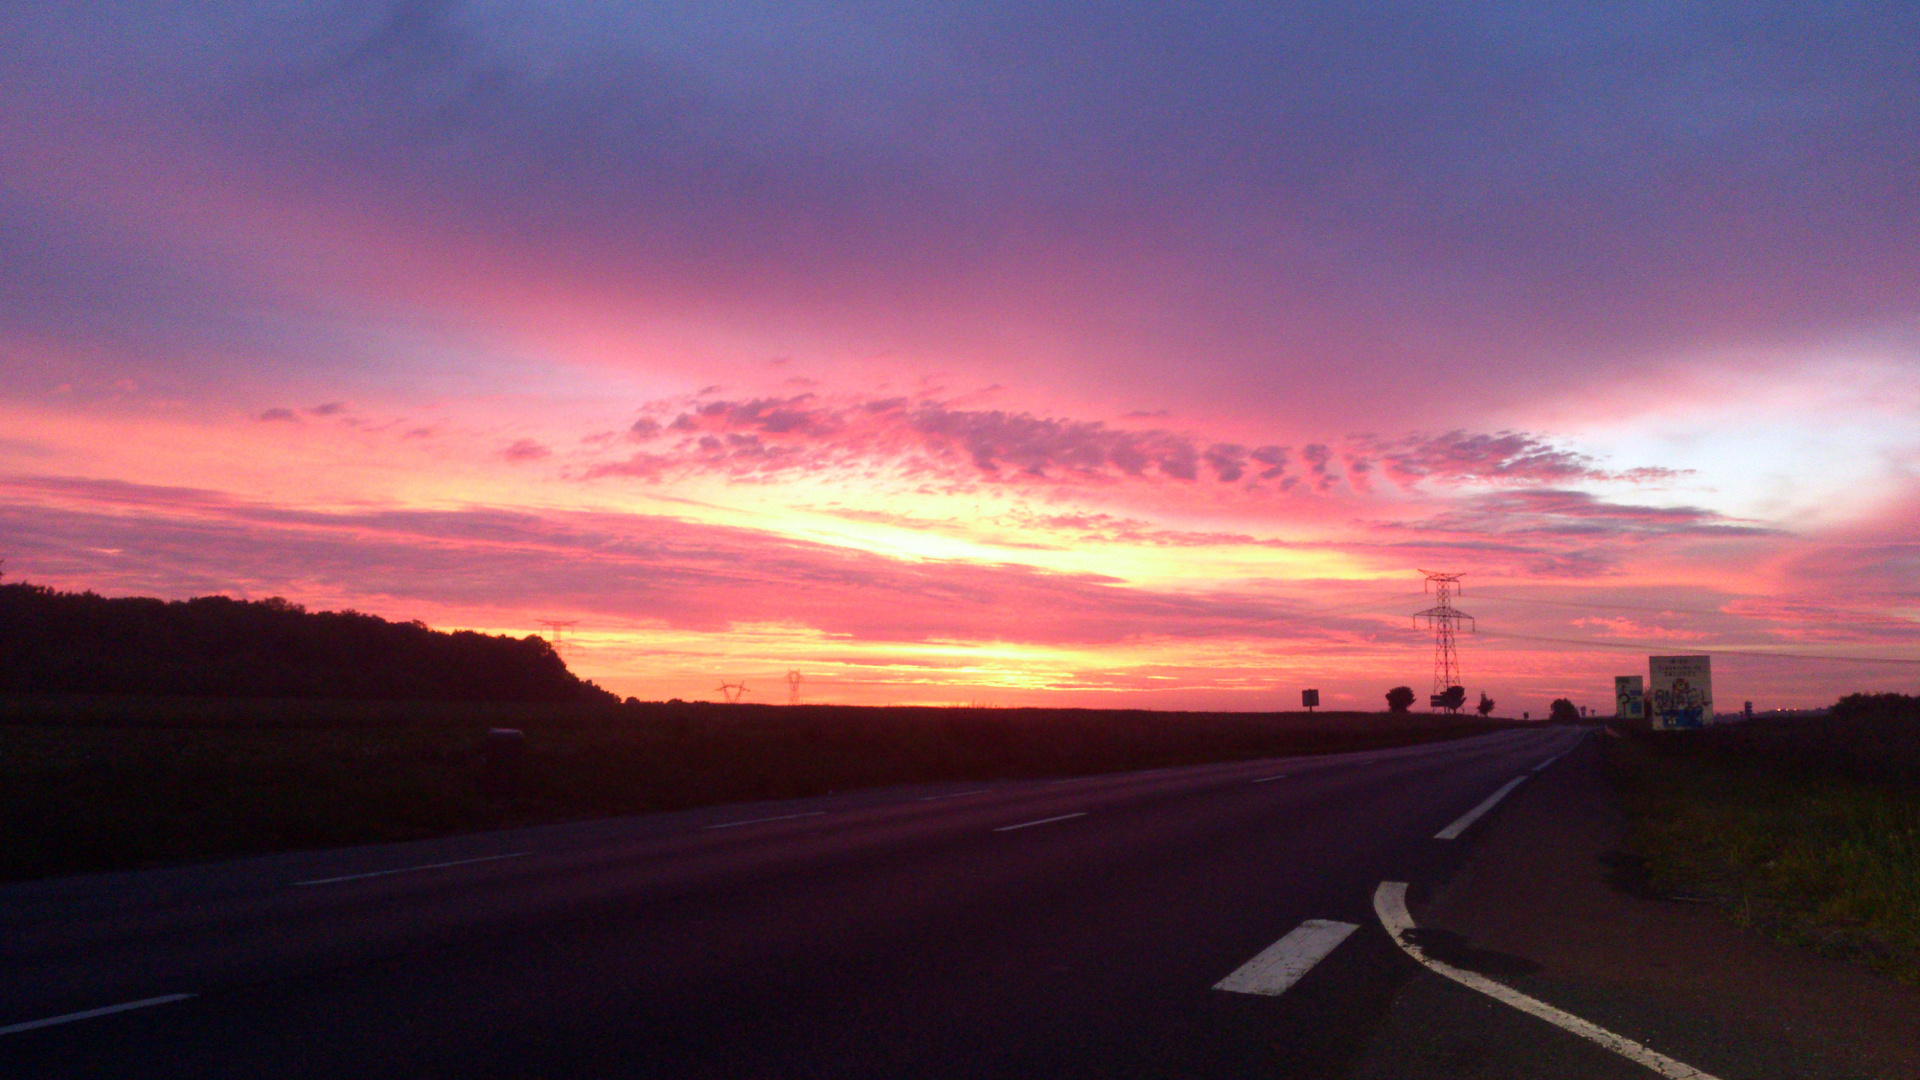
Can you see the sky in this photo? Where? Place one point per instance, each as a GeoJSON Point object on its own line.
{"type": "Point", "coordinates": [1082, 354]}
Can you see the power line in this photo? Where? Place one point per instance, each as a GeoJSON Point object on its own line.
{"type": "Point", "coordinates": [1641, 646]}
{"type": "Point", "coordinates": [1661, 608]}
{"type": "Point", "coordinates": [1598, 604]}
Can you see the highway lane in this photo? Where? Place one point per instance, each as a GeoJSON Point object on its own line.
{"type": "Point", "coordinates": [969, 930]}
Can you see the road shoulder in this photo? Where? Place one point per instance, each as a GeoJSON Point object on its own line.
{"type": "Point", "coordinates": [1541, 903]}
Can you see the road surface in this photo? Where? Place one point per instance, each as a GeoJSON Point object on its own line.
{"type": "Point", "coordinates": [1062, 929]}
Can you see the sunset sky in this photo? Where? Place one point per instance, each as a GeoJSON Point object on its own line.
{"type": "Point", "coordinates": [1042, 353]}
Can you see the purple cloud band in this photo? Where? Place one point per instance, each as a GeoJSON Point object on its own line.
{"type": "Point", "coordinates": [760, 438]}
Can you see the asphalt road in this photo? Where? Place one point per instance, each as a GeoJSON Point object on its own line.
{"type": "Point", "coordinates": [1067, 928]}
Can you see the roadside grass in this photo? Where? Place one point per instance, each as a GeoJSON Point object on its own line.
{"type": "Point", "coordinates": [1817, 857]}
{"type": "Point", "coordinates": [104, 783]}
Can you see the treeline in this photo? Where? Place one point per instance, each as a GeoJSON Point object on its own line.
{"type": "Point", "coordinates": [214, 646]}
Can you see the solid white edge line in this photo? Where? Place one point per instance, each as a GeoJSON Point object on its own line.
{"type": "Point", "coordinates": [1282, 963]}
{"type": "Point", "coordinates": [1390, 904]}
{"type": "Point", "coordinates": [410, 869]}
{"type": "Point", "coordinates": [761, 820]}
{"type": "Point", "coordinates": [1266, 779]}
{"type": "Point", "coordinates": [89, 1014]}
{"type": "Point", "coordinates": [1553, 759]}
{"type": "Point", "coordinates": [1042, 821]}
{"type": "Point", "coordinates": [955, 794]}
{"type": "Point", "coordinates": [1460, 825]}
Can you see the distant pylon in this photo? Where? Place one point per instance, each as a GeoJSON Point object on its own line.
{"type": "Point", "coordinates": [793, 687]}
{"type": "Point", "coordinates": [1443, 618]}
{"type": "Point", "coordinates": [731, 691]}
{"type": "Point", "coordinates": [557, 634]}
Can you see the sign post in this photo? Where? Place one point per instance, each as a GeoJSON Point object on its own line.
{"type": "Point", "coordinates": [1309, 698]}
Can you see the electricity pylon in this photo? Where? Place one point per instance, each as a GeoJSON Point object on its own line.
{"type": "Point", "coordinates": [557, 634]}
{"type": "Point", "coordinates": [732, 691]}
{"type": "Point", "coordinates": [793, 687]}
{"type": "Point", "coordinates": [1443, 618]}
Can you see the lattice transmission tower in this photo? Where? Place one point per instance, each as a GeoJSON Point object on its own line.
{"type": "Point", "coordinates": [1443, 618]}
{"type": "Point", "coordinates": [731, 691]}
{"type": "Point", "coordinates": [793, 687]}
{"type": "Point", "coordinates": [557, 634]}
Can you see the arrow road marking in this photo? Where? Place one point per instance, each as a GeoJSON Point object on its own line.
{"type": "Point", "coordinates": [1390, 904]}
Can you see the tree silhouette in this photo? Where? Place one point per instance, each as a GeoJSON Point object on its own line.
{"type": "Point", "coordinates": [1563, 711]}
{"type": "Point", "coordinates": [1400, 699]}
{"type": "Point", "coordinates": [1485, 708]}
{"type": "Point", "coordinates": [1455, 697]}
{"type": "Point", "coordinates": [65, 643]}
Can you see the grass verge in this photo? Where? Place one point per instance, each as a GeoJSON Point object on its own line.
{"type": "Point", "coordinates": [1814, 858]}
{"type": "Point", "coordinates": [102, 783]}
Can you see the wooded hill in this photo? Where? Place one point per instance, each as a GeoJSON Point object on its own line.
{"type": "Point", "coordinates": [214, 646]}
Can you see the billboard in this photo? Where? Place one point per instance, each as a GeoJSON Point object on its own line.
{"type": "Point", "coordinates": [1629, 697]}
{"type": "Point", "coordinates": [1680, 692]}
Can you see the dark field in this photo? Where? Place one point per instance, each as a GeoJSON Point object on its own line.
{"type": "Point", "coordinates": [1805, 830]}
{"type": "Point", "coordinates": [107, 783]}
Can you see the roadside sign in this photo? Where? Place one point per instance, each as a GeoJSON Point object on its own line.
{"type": "Point", "coordinates": [1680, 692]}
{"type": "Point", "coordinates": [1629, 697]}
{"type": "Point", "coordinates": [1309, 698]}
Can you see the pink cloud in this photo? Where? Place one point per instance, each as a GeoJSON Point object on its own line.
{"type": "Point", "coordinates": [170, 542]}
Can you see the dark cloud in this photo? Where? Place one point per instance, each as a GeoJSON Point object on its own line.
{"type": "Point", "coordinates": [277, 415]}
{"type": "Point", "coordinates": [526, 450]}
{"type": "Point", "coordinates": [761, 437]}
{"type": "Point", "coordinates": [1506, 455]}
{"type": "Point", "coordinates": [1555, 533]}
{"type": "Point", "coordinates": [1501, 192]}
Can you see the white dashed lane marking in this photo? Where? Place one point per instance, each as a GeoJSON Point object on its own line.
{"type": "Point", "coordinates": [88, 1014]}
{"type": "Point", "coordinates": [1282, 963]}
{"type": "Point", "coordinates": [1466, 820]}
{"type": "Point", "coordinates": [764, 820]}
{"type": "Point", "coordinates": [411, 869]}
{"type": "Point", "coordinates": [1042, 821]}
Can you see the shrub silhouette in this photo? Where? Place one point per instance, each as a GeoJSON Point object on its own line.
{"type": "Point", "coordinates": [1400, 699]}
